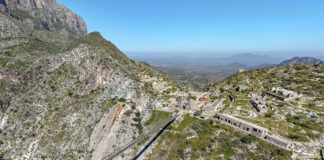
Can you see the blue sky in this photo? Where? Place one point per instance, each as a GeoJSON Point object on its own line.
{"type": "Point", "coordinates": [207, 27]}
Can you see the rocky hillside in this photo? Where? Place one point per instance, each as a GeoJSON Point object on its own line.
{"type": "Point", "coordinates": [297, 119]}
{"type": "Point", "coordinates": [67, 95]}
{"type": "Point", "coordinates": [72, 98]}
{"type": "Point", "coordinates": [297, 113]}
{"type": "Point", "coordinates": [301, 60]}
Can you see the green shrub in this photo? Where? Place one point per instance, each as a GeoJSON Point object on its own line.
{"type": "Point", "coordinates": [122, 99]}
{"type": "Point", "coordinates": [139, 127]}
{"type": "Point", "coordinates": [148, 88]}
{"type": "Point", "coordinates": [247, 139]}
{"type": "Point", "coordinates": [297, 121]}
{"type": "Point", "coordinates": [128, 113]}
{"type": "Point", "coordinates": [137, 119]}
{"type": "Point", "coordinates": [53, 87]}
{"type": "Point", "coordinates": [70, 93]}
{"type": "Point", "coordinates": [137, 114]}
{"type": "Point", "coordinates": [268, 114]}
{"type": "Point", "coordinates": [294, 136]}
{"type": "Point", "coordinates": [280, 152]}
{"type": "Point", "coordinates": [197, 113]}
{"type": "Point", "coordinates": [193, 97]}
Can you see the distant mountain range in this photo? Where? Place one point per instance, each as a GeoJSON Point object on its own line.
{"type": "Point", "coordinates": [247, 59]}
{"type": "Point", "coordinates": [301, 60]}
{"type": "Point", "coordinates": [251, 60]}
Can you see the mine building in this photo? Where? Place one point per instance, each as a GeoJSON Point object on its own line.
{"type": "Point", "coordinates": [255, 130]}
{"type": "Point", "coordinates": [287, 94]}
{"type": "Point", "coordinates": [243, 125]}
{"type": "Point", "coordinates": [259, 102]}
{"type": "Point", "coordinates": [259, 107]}
{"type": "Point", "coordinates": [241, 88]}
{"type": "Point", "coordinates": [183, 102]}
{"type": "Point", "coordinates": [278, 141]}
{"type": "Point", "coordinates": [281, 98]}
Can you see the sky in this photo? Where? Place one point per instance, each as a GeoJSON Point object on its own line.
{"type": "Point", "coordinates": [207, 27]}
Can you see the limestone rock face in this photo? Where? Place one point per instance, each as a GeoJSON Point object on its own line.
{"type": "Point", "coordinates": [46, 14]}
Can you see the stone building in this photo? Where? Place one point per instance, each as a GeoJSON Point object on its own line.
{"type": "Point", "coordinates": [289, 95]}
{"type": "Point", "coordinates": [241, 70]}
{"type": "Point", "coordinates": [183, 102]}
{"type": "Point", "coordinates": [278, 141]}
{"type": "Point", "coordinates": [243, 125]}
{"type": "Point", "coordinates": [255, 130]}
{"type": "Point", "coordinates": [259, 102]}
{"type": "Point", "coordinates": [241, 88]}
{"type": "Point", "coordinates": [261, 108]}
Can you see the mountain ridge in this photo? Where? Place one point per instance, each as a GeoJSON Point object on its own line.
{"type": "Point", "coordinates": [301, 60]}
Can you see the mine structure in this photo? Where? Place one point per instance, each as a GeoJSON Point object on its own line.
{"type": "Point", "coordinates": [258, 131]}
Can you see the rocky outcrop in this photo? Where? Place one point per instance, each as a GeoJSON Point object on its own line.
{"type": "Point", "coordinates": [301, 60]}
{"type": "Point", "coordinates": [45, 14]}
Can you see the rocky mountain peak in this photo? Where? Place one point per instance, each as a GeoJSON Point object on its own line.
{"type": "Point", "coordinates": [301, 60]}
{"type": "Point", "coordinates": [45, 14]}
{"type": "Point", "coordinates": [29, 4]}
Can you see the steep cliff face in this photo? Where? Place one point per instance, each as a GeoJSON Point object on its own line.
{"type": "Point", "coordinates": [47, 15]}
